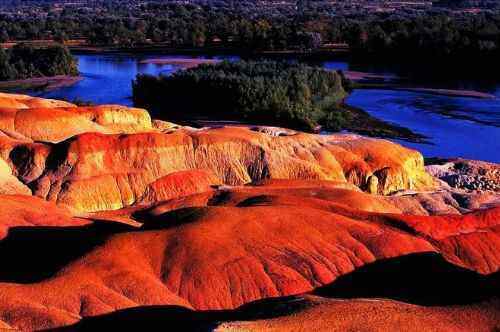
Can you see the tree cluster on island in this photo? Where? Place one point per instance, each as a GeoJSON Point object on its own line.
{"type": "Point", "coordinates": [265, 92]}
{"type": "Point", "coordinates": [275, 93]}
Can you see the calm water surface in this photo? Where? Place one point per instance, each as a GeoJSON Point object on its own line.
{"type": "Point", "coordinates": [456, 127]}
{"type": "Point", "coordinates": [107, 78]}
{"type": "Point", "coordinates": [449, 136]}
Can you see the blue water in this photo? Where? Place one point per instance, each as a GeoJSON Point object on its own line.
{"type": "Point", "coordinates": [108, 78]}
{"type": "Point", "coordinates": [449, 137]}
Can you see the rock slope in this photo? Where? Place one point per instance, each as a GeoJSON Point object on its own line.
{"type": "Point", "coordinates": [241, 247]}
{"type": "Point", "coordinates": [105, 214]}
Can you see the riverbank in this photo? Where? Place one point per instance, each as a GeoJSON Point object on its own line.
{"type": "Point", "coordinates": [358, 76]}
{"type": "Point", "coordinates": [356, 121]}
{"type": "Point", "coordinates": [365, 81]}
{"type": "Point", "coordinates": [451, 92]}
{"type": "Point", "coordinates": [456, 127]}
{"type": "Point", "coordinates": [184, 63]}
{"type": "Point", "coordinates": [361, 122]}
{"type": "Point", "coordinates": [40, 83]}
{"type": "Point", "coordinates": [318, 55]}
{"type": "Point", "coordinates": [452, 124]}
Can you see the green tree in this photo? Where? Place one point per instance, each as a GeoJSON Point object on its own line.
{"type": "Point", "coordinates": [7, 71]}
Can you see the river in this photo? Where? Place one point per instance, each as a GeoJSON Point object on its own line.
{"type": "Point", "coordinates": [456, 126]}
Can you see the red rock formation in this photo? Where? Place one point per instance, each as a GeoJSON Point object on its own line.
{"type": "Point", "coordinates": [27, 211]}
{"type": "Point", "coordinates": [178, 184]}
{"type": "Point", "coordinates": [224, 258]}
{"type": "Point", "coordinates": [471, 240]}
{"type": "Point", "coordinates": [90, 171]}
{"type": "Point", "coordinates": [95, 172]}
{"type": "Point", "coordinates": [212, 218]}
{"type": "Point", "coordinates": [255, 245]}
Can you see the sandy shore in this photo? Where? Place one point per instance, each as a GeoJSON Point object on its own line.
{"type": "Point", "coordinates": [40, 83]}
{"type": "Point", "coordinates": [384, 81]}
{"type": "Point", "coordinates": [181, 62]}
{"type": "Point", "coordinates": [451, 92]}
{"type": "Point", "coordinates": [362, 76]}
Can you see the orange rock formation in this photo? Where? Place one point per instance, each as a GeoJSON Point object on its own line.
{"type": "Point", "coordinates": [246, 245]}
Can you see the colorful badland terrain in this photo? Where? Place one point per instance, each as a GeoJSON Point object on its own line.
{"type": "Point", "coordinates": [111, 219]}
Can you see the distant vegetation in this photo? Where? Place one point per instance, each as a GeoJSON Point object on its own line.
{"type": "Point", "coordinates": [427, 37]}
{"type": "Point", "coordinates": [402, 35]}
{"type": "Point", "coordinates": [24, 61]}
{"type": "Point", "coordinates": [274, 93]}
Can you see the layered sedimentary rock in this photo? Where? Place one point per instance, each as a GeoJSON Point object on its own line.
{"type": "Point", "coordinates": [104, 157]}
{"type": "Point", "coordinates": [9, 184]}
{"type": "Point", "coordinates": [92, 172]}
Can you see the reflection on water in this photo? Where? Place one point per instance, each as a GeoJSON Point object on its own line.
{"type": "Point", "coordinates": [457, 127]}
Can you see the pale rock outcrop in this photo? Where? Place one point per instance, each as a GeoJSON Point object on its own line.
{"type": "Point", "coordinates": [467, 174]}
{"type": "Point", "coordinates": [18, 101]}
{"type": "Point", "coordinates": [55, 124]}
{"type": "Point", "coordinates": [9, 184]}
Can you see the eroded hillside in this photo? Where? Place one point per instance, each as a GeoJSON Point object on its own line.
{"type": "Point", "coordinates": [109, 218]}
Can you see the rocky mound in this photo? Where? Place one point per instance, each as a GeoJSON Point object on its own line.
{"type": "Point", "coordinates": [55, 124]}
{"type": "Point", "coordinates": [16, 101]}
{"type": "Point", "coordinates": [319, 314]}
{"type": "Point", "coordinates": [28, 211]}
{"type": "Point", "coordinates": [466, 174]}
{"type": "Point", "coordinates": [303, 313]}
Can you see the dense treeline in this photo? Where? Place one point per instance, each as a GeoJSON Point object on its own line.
{"type": "Point", "coordinates": [432, 37]}
{"type": "Point", "coordinates": [243, 25]}
{"type": "Point", "coordinates": [128, 24]}
{"type": "Point", "coordinates": [457, 4]}
{"type": "Point", "coordinates": [273, 93]}
{"type": "Point", "coordinates": [24, 61]}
